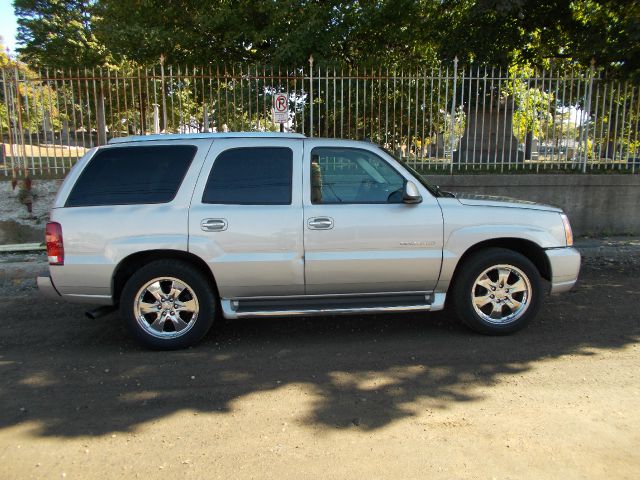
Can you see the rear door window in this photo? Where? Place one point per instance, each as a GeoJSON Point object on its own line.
{"type": "Point", "coordinates": [251, 176]}
{"type": "Point", "coordinates": [132, 175]}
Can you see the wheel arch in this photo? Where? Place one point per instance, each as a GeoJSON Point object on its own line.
{"type": "Point", "coordinates": [527, 248]}
{"type": "Point", "coordinates": [130, 264]}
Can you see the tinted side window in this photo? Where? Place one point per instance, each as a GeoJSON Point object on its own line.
{"type": "Point", "coordinates": [352, 175]}
{"type": "Point", "coordinates": [251, 176]}
{"type": "Point", "coordinates": [132, 175]}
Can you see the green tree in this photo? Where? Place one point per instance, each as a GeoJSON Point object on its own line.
{"type": "Point", "coordinates": [286, 32]}
{"type": "Point", "coordinates": [543, 33]}
{"type": "Point", "coordinates": [58, 33]}
{"type": "Point", "coordinates": [24, 101]}
{"type": "Point", "coordinates": [533, 107]}
{"type": "Point", "coordinates": [365, 33]}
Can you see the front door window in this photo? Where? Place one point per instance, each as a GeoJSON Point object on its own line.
{"type": "Point", "coordinates": [352, 175]}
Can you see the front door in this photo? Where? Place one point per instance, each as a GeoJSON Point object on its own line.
{"type": "Point", "coordinates": [245, 217]}
{"type": "Point", "coordinates": [359, 236]}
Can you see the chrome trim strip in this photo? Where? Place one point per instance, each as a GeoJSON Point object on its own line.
{"type": "Point", "coordinates": [336, 295]}
{"type": "Point", "coordinates": [87, 296]}
{"type": "Point", "coordinates": [90, 299]}
{"type": "Point", "coordinates": [330, 311]}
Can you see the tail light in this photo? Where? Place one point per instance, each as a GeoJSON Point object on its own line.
{"type": "Point", "coordinates": [55, 245]}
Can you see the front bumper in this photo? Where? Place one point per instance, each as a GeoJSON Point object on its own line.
{"type": "Point", "coordinates": [46, 287]}
{"type": "Point", "coordinates": [565, 266]}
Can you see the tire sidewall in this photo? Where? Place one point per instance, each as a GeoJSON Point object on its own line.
{"type": "Point", "coordinates": [464, 283]}
{"type": "Point", "coordinates": [182, 271]}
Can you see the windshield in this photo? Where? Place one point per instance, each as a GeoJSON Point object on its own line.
{"type": "Point", "coordinates": [434, 189]}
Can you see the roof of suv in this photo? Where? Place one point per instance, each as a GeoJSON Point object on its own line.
{"type": "Point", "coordinates": [184, 136]}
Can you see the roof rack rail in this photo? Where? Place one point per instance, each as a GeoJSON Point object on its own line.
{"type": "Point", "coordinates": [195, 136]}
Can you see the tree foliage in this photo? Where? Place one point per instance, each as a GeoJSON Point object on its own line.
{"type": "Point", "coordinates": [58, 33]}
{"type": "Point", "coordinates": [546, 33]}
{"type": "Point", "coordinates": [367, 33]}
{"type": "Point", "coordinates": [22, 102]}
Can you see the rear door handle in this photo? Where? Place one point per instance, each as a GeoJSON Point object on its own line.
{"type": "Point", "coordinates": [213, 225]}
{"type": "Point", "coordinates": [320, 223]}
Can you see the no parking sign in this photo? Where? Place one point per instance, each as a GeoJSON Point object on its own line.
{"type": "Point", "coordinates": [280, 108]}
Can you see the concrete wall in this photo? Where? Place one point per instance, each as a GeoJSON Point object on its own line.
{"type": "Point", "coordinates": [17, 225]}
{"type": "Point", "coordinates": [596, 204]}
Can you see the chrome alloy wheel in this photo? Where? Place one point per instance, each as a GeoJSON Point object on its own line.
{"type": "Point", "coordinates": [166, 307]}
{"type": "Point", "coordinates": [501, 294]}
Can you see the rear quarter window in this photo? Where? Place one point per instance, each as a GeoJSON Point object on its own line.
{"type": "Point", "coordinates": [132, 175]}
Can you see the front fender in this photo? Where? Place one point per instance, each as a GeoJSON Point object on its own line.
{"type": "Point", "coordinates": [468, 226]}
{"type": "Point", "coordinates": [463, 240]}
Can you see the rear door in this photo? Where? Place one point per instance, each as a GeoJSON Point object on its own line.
{"type": "Point", "coordinates": [245, 218]}
{"type": "Point", "coordinates": [359, 236]}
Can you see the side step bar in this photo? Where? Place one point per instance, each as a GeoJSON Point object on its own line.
{"type": "Point", "coordinates": [330, 305]}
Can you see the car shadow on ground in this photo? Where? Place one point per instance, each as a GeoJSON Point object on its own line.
{"type": "Point", "coordinates": [78, 377]}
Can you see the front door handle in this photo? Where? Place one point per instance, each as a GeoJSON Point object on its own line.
{"type": "Point", "coordinates": [213, 225]}
{"type": "Point", "coordinates": [320, 223]}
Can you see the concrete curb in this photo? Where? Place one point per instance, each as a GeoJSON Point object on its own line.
{"type": "Point", "coordinates": [22, 247]}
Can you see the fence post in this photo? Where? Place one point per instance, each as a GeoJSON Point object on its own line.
{"type": "Point", "coordinates": [453, 109]}
{"type": "Point", "coordinates": [311, 95]}
{"type": "Point", "coordinates": [163, 94]}
{"type": "Point", "coordinates": [9, 103]}
{"type": "Point", "coordinates": [156, 118]}
{"type": "Point", "coordinates": [585, 131]}
{"type": "Point", "coordinates": [205, 118]}
{"type": "Point", "coordinates": [100, 120]}
{"type": "Point", "coordinates": [20, 128]}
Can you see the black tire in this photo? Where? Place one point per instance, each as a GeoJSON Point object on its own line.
{"type": "Point", "coordinates": [161, 337]}
{"type": "Point", "coordinates": [465, 289]}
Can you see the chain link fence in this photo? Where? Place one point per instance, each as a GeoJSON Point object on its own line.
{"type": "Point", "coordinates": [441, 120]}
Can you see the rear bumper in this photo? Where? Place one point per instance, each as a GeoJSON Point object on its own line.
{"type": "Point", "coordinates": [46, 287]}
{"type": "Point", "coordinates": [565, 267]}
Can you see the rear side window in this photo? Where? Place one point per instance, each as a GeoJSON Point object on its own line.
{"type": "Point", "coordinates": [132, 175]}
{"type": "Point", "coordinates": [251, 176]}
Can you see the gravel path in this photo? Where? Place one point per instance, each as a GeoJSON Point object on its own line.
{"type": "Point", "coordinates": [386, 396]}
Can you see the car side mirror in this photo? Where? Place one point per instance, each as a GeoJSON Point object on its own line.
{"type": "Point", "coordinates": [411, 193]}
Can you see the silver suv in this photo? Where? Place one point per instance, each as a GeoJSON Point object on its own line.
{"type": "Point", "coordinates": [176, 228]}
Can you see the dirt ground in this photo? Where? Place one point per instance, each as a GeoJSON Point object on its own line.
{"type": "Point", "coordinates": [399, 396]}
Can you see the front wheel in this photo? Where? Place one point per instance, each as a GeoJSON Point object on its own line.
{"type": "Point", "coordinates": [498, 291]}
{"type": "Point", "coordinates": [168, 304]}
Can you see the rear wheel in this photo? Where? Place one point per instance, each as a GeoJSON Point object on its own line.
{"type": "Point", "coordinates": [168, 304]}
{"type": "Point", "coordinates": [497, 291]}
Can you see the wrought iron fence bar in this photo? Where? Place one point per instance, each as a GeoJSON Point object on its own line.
{"type": "Point", "coordinates": [623, 121]}
{"type": "Point", "coordinates": [629, 151]}
{"type": "Point", "coordinates": [504, 125]}
{"type": "Point", "coordinates": [635, 157]}
{"type": "Point", "coordinates": [443, 119]}
{"type": "Point", "coordinates": [513, 109]}
{"type": "Point", "coordinates": [615, 128]}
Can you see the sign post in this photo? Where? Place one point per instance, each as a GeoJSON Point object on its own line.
{"type": "Point", "coordinates": [280, 109]}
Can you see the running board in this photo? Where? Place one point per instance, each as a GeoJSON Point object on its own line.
{"type": "Point", "coordinates": [330, 305]}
